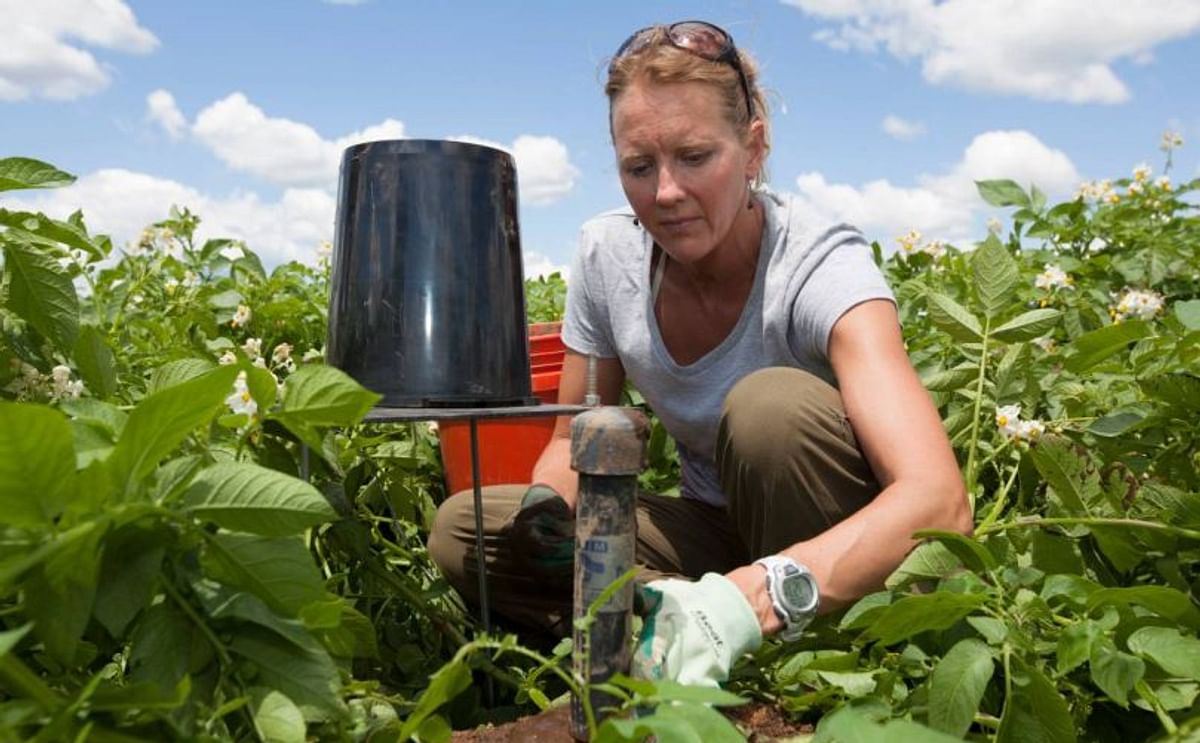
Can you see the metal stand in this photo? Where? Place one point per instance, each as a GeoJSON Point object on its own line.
{"type": "Point", "coordinates": [472, 415]}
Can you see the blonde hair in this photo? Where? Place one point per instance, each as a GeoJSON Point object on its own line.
{"type": "Point", "coordinates": [659, 61]}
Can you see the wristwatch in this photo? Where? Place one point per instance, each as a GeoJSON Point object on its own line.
{"type": "Point", "coordinates": [793, 591]}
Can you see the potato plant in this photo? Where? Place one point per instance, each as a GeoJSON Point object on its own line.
{"type": "Point", "coordinates": [199, 540]}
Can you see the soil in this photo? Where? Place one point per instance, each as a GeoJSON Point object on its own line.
{"type": "Point", "coordinates": [763, 723]}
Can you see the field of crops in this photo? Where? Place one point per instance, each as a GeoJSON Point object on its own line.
{"type": "Point", "coordinates": [175, 565]}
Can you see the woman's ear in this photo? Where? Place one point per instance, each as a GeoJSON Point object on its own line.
{"type": "Point", "coordinates": [756, 145]}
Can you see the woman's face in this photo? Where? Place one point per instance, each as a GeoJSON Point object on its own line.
{"type": "Point", "coordinates": [683, 166]}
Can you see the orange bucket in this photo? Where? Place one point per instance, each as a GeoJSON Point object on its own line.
{"type": "Point", "coordinates": [508, 447]}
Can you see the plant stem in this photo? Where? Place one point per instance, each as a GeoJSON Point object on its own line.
{"type": "Point", "coordinates": [1000, 502]}
{"type": "Point", "coordinates": [971, 449]}
{"type": "Point", "coordinates": [1145, 692]}
{"type": "Point", "coordinates": [1178, 531]}
{"type": "Point", "coordinates": [205, 630]}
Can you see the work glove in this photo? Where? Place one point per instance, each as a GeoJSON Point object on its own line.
{"type": "Point", "coordinates": [543, 533]}
{"type": "Point", "coordinates": [693, 632]}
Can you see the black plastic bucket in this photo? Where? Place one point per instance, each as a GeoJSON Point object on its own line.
{"type": "Point", "coordinates": [427, 303]}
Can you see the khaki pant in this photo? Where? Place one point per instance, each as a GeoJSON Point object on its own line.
{"type": "Point", "coordinates": [789, 465]}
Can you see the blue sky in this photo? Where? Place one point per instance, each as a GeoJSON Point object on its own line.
{"type": "Point", "coordinates": [884, 111]}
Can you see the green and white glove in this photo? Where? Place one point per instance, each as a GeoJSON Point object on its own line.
{"type": "Point", "coordinates": [692, 632]}
{"type": "Point", "coordinates": [543, 532]}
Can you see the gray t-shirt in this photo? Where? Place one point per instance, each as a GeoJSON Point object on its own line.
{"type": "Point", "coordinates": [808, 275]}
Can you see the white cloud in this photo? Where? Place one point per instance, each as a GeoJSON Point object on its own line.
{"type": "Point", "coordinates": [292, 153]}
{"type": "Point", "coordinates": [42, 53]}
{"type": "Point", "coordinates": [944, 205]}
{"type": "Point", "coordinates": [161, 109]}
{"type": "Point", "coordinates": [278, 150]}
{"type": "Point", "coordinates": [538, 264]}
{"type": "Point", "coordinates": [1061, 50]}
{"type": "Point", "coordinates": [898, 128]}
{"type": "Point", "coordinates": [544, 170]}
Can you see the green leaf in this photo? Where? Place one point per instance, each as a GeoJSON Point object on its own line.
{"type": "Point", "coordinates": [132, 563]}
{"type": "Point", "coordinates": [950, 380]}
{"type": "Point", "coordinates": [683, 722]}
{"type": "Point", "coordinates": [1075, 643]}
{"type": "Point", "coordinates": [851, 725]}
{"type": "Point", "coordinates": [1174, 652]}
{"type": "Point", "coordinates": [1034, 712]}
{"type": "Point", "coordinates": [23, 172]}
{"type": "Point", "coordinates": [277, 719]}
{"type": "Point", "coordinates": [1115, 424]}
{"type": "Point", "coordinates": [996, 276]}
{"type": "Point", "coordinates": [913, 615]}
{"type": "Point", "coordinates": [1066, 474]}
{"type": "Point", "coordinates": [1092, 348]}
{"type": "Point", "coordinates": [930, 560]}
{"type": "Point", "coordinates": [353, 637]}
{"type": "Point", "coordinates": [37, 464]}
{"type": "Point", "coordinates": [96, 362]}
{"type": "Point", "coordinates": [445, 684]}
{"type": "Point", "coordinates": [140, 697]}
{"type": "Point", "coordinates": [59, 592]}
{"type": "Point", "coordinates": [262, 385]}
{"type": "Point", "coordinates": [177, 372]}
{"type": "Point", "coordinates": [1188, 313]}
{"type": "Point", "coordinates": [1027, 325]}
{"type": "Point", "coordinates": [161, 644]}
{"type": "Point", "coordinates": [41, 293]}
{"type": "Point", "coordinates": [279, 570]}
{"type": "Point", "coordinates": [306, 676]}
{"type": "Point", "coordinates": [65, 233]}
{"type": "Point", "coordinates": [1180, 391]}
{"type": "Point", "coordinates": [864, 611]}
{"type": "Point", "coordinates": [324, 395]}
{"type": "Point", "coordinates": [163, 420]}
{"type": "Point", "coordinates": [10, 638]}
{"type": "Point", "coordinates": [957, 685]}
{"type": "Point", "coordinates": [246, 497]}
{"type": "Point", "coordinates": [1115, 672]}
{"type": "Point", "coordinates": [967, 549]}
{"type": "Point", "coordinates": [953, 318]}
{"type": "Point", "coordinates": [1002, 192]}
{"type": "Point", "coordinates": [1166, 602]}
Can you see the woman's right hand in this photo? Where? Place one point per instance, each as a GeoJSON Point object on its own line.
{"type": "Point", "coordinates": [543, 533]}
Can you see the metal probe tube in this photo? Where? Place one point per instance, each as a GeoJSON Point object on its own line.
{"type": "Point", "coordinates": [608, 450]}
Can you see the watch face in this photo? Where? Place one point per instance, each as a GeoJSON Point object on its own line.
{"type": "Point", "coordinates": [798, 592]}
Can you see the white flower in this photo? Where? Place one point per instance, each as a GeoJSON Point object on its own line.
{"type": "Point", "coordinates": [282, 353]}
{"type": "Point", "coordinates": [227, 358]}
{"type": "Point", "coordinates": [28, 381]}
{"type": "Point", "coordinates": [136, 298]}
{"type": "Point", "coordinates": [1170, 141]}
{"type": "Point", "coordinates": [909, 241]}
{"type": "Point", "coordinates": [1135, 187]}
{"type": "Point", "coordinates": [1008, 419]}
{"type": "Point", "coordinates": [1141, 173]}
{"type": "Point", "coordinates": [171, 285]}
{"type": "Point", "coordinates": [312, 354]}
{"type": "Point", "coordinates": [241, 401]}
{"type": "Point", "coordinates": [62, 388]}
{"type": "Point", "coordinates": [260, 362]}
{"type": "Point", "coordinates": [1030, 430]}
{"type": "Point", "coordinates": [232, 252]}
{"type": "Point", "coordinates": [253, 347]}
{"type": "Point", "coordinates": [241, 317]}
{"type": "Point", "coordinates": [324, 251]}
{"type": "Point", "coordinates": [1163, 182]}
{"type": "Point", "coordinates": [1143, 305]}
{"type": "Point", "coordinates": [935, 248]}
{"type": "Point", "coordinates": [995, 226]}
{"type": "Point", "coordinates": [1046, 343]}
{"type": "Point", "coordinates": [1053, 278]}
{"type": "Point", "coordinates": [190, 279]}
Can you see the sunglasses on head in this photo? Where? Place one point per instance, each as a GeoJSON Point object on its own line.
{"type": "Point", "coordinates": [698, 37]}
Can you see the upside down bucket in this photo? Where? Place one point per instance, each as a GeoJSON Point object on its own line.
{"type": "Point", "coordinates": [427, 303]}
